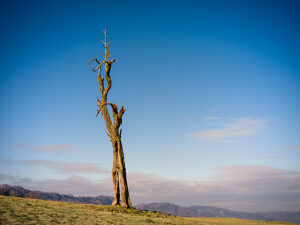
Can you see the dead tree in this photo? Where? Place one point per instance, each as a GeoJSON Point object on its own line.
{"type": "Point", "coordinates": [113, 128]}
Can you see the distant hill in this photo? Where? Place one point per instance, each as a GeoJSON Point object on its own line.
{"type": "Point", "coordinates": [18, 191]}
{"type": "Point", "coordinates": [210, 211]}
{"type": "Point", "coordinates": [167, 208]}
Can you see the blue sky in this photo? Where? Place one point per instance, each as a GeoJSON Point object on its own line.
{"type": "Point", "coordinates": [211, 90]}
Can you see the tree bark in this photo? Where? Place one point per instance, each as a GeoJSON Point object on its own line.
{"type": "Point", "coordinates": [125, 199]}
{"type": "Point", "coordinates": [115, 175]}
{"type": "Point", "coordinates": [114, 133]}
{"type": "Point", "coordinates": [119, 175]}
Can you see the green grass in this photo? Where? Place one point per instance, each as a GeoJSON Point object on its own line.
{"type": "Point", "coordinates": [15, 210]}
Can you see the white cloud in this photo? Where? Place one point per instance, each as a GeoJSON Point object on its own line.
{"type": "Point", "coordinates": [241, 127]}
{"type": "Point", "coordinates": [58, 148]}
{"type": "Point", "coordinates": [237, 187]}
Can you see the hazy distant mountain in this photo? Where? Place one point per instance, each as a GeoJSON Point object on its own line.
{"type": "Point", "coordinates": [192, 211]}
{"type": "Point", "coordinates": [22, 192]}
{"type": "Point", "coordinates": [209, 211]}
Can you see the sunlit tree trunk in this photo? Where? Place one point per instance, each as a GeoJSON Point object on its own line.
{"type": "Point", "coordinates": [113, 129]}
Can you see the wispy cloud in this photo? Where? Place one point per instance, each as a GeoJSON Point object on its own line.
{"type": "Point", "coordinates": [61, 167]}
{"type": "Point", "coordinates": [269, 157]}
{"type": "Point", "coordinates": [16, 180]}
{"type": "Point", "coordinates": [294, 147]}
{"type": "Point", "coordinates": [237, 187]}
{"type": "Point", "coordinates": [66, 167]}
{"type": "Point", "coordinates": [263, 188]}
{"type": "Point", "coordinates": [212, 118]}
{"type": "Point", "coordinates": [58, 149]}
{"type": "Point", "coordinates": [241, 127]}
{"type": "Point", "coordinates": [76, 185]}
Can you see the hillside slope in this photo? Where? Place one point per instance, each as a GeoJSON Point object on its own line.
{"type": "Point", "coordinates": [210, 211]}
{"type": "Point", "coordinates": [15, 210]}
{"type": "Point", "coordinates": [192, 211]}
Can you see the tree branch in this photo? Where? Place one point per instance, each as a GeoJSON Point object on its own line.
{"type": "Point", "coordinates": [113, 106]}
{"type": "Point", "coordinates": [107, 75]}
{"type": "Point", "coordinates": [104, 89]}
{"type": "Point", "coordinates": [121, 112]}
{"type": "Point", "coordinates": [98, 110]}
{"type": "Point", "coordinates": [107, 134]}
{"type": "Point", "coordinates": [93, 60]}
{"type": "Point", "coordinates": [99, 105]}
{"type": "Point", "coordinates": [99, 64]}
{"type": "Point", "coordinates": [101, 81]}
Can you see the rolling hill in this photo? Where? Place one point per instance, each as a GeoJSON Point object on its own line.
{"type": "Point", "coordinates": [167, 208]}
{"type": "Point", "coordinates": [17, 210]}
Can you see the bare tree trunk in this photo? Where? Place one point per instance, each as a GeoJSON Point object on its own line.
{"type": "Point", "coordinates": [119, 175]}
{"type": "Point", "coordinates": [114, 133]}
{"type": "Point", "coordinates": [115, 175]}
{"type": "Point", "coordinates": [125, 199]}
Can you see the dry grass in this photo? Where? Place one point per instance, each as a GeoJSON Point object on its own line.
{"type": "Point", "coordinates": [15, 210]}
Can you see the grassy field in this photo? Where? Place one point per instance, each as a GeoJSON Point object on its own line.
{"type": "Point", "coordinates": [15, 210]}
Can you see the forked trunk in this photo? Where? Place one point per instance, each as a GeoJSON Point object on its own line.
{"type": "Point", "coordinates": [119, 175]}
